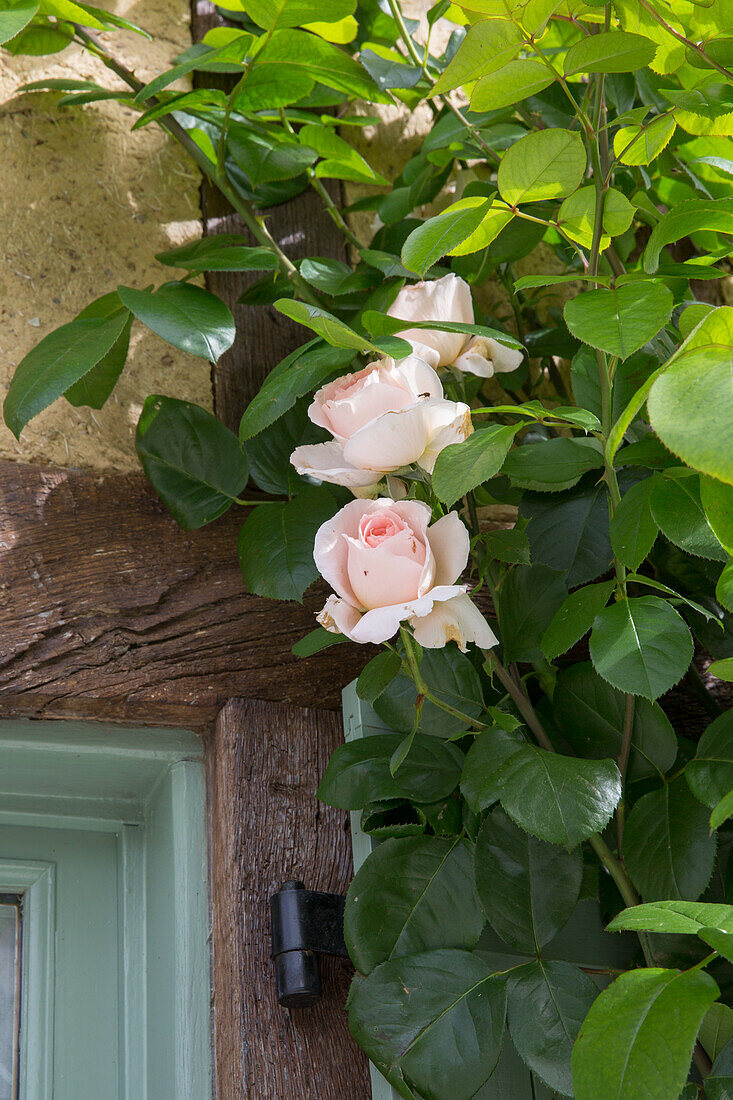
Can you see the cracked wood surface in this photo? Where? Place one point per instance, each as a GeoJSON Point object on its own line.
{"type": "Point", "coordinates": [109, 610]}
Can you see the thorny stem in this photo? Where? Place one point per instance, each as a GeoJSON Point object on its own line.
{"type": "Point", "coordinates": [687, 42]}
{"type": "Point", "coordinates": [244, 208]}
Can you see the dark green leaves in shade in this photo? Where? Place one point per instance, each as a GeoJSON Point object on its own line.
{"type": "Point", "coordinates": [315, 641]}
{"type": "Point", "coordinates": [717, 500]}
{"type": "Point", "coordinates": [222, 252]}
{"type": "Point", "coordinates": [303, 370]}
{"type": "Point", "coordinates": [642, 646]}
{"type": "Point", "coordinates": [412, 895]}
{"type": "Point", "coordinates": [358, 772]}
{"type": "Point", "coordinates": [589, 714]}
{"type": "Point", "coordinates": [668, 849]}
{"type": "Point", "coordinates": [571, 799]}
{"type": "Point", "coordinates": [677, 509]}
{"type": "Point", "coordinates": [621, 320]}
{"type": "Point", "coordinates": [546, 1005]}
{"type": "Point", "coordinates": [266, 158]}
{"type": "Point", "coordinates": [58, 362]}
{"type": "Point", "coordinates": [548, 164]}
{"type": "Point", "coordinates": [609, 52]}
{"type": "Point", "coordinates": [96, 385]}
{"type": "Point", "coordinates": [192, 460]}
{"type": "Point", "coordinates": [719, 1083]}
{"type": "Point", "coordinates": [187, 316]}
{"type": "Point", "coordinates": [452, 678]}
{"type": "Point", "coordinates": [710, 774]}
{"type": "Point", "coordinates": [378, 674]}
{"type": "Point", "coordinates": [569, 531]}
{"type": "Point", "coordinates": [575, 618]}
{"type": "Point", "coordinates": [552, 465]}
{"type": "Point", "coordinates": [674, 917]}
{"type": "Point", "coordinates": [276, 544]}
{"type": "Point", "coordinates": [633, 527]}
{"type": "Point", "coordinates": [527, 887]}
{"type": "Point", "coordinates": [638, 1037]}
{"type": "Point", "coordinates": [438, 1016]}
{"type": "Point", "coordinates": [483, 763]}
{"type": "Point", "coordinates": [461, 467]}
{"type": "Point", "coordinates": [527, 600]}
{"type": "Point", "coordinates": [291, 50]}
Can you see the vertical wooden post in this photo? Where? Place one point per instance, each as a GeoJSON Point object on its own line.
{"type": "Point", "coordinates": [267, 827]}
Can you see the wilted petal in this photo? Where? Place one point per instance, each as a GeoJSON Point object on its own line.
{"type": "Point", "coordinates": [338, 617]}
{"type": "Point", "coordinates": [456, 620]}
{"type": "Point", "coordinates": [326, 462]}
{"type": "Point", "coordinates": [450, 542]}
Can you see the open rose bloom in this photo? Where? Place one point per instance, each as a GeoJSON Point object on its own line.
{"type": "Point", "coordinates": [389, 565]}
{"type": "Point", "coordinates": [382, 418]}
{"type": "Point", "coordinates": [449, 299]}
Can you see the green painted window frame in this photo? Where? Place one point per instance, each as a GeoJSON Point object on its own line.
{"type": "Point", "coordinates": [145, 790]}
{"type": "Point", "coordinates": [581, 941]}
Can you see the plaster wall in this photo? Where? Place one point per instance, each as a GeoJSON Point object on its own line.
{"type": "Point", "coordinates": [84, 206]}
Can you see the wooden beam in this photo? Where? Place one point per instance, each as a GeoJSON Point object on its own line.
{"type": "Point", "coordinates": [265, 762]}
{"type": "Point", "coordinates": [109, 610]}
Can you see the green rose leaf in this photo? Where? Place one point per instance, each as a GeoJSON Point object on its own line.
{"type": "Point", "coordinates": [15, 17]}
{"type": "Point", "coordinates": [684, 219]}
{"type": "Point", "coordinates": [358, 772]}
{"type": "Point", "coordinates": [719, 1083]}
{"type": "Point", "coordinates": [439, 235]}
{"type": "Point", "coordinates": [710, 773]}
{"type": "Point", "coordinates": [723, 811]}
{"type": "Point", "coordinates": [528, 888]}
{"type": "Point", "coordinates": [722, 942]}
{"type": "Point", "coordinates": [287, 51]}
{"type": "Point", "coordinates": [265, 158]}
{"type": "Point", "coordinates": [642, 646]}
{"type": "Point", "coordinates": [324, 324]}
{"type": "Point", "coordinates": [483, 761]}
{"type": "Point", "coordinates": [59, 361]}
{"type": "Point", "coordinates": [571, 799]}
{"type": "Point", "coordinates": [221, 252]}
{"type": "Point", "coordinates": [590, 714]}
{"type": "Point", "coordinates": [642, 142]}
{"type": "Point", "coordinates": [95, 387]}
{"type": "Point", "coordinates": [674, 917]}
{"type": "Point", "coordinates": [569, 531]}
{"type": "Point", "coordinates": [438, 1017]}
{"type": "Point", "coordinates": [512, 83]}
{"type": "Point", "coordinates": [638, 1037]}
{"type": "Point", "coordinates": [293, 13]}
{"type": "Point", "coordinates": [548, 164]}
{"type": "Point", "coordinates": [621, 320]}
{"type": "Point", "coordinates": [609, 52]}
{"type": "Point", "coordinates": [412, 895]}
{"type": "Point", "coordinates": [717, 501]}
{"type": "Point", "coordinates": [668, 850]}
{"type": "Point", "coordinates": [461, 467]}
{"type": "Point", "coordinates": [633, 528]}
{"type": "Point", "coordinates": [488, 45]}
{"type": "Point", "coordinates": [452, 678]}
{"type": "Point", "coordinates": [378, 675]}
{"type": "Point", "coordinates": [691, 409]}
{"type": "Point", "coordinates": [546, 1005]}
{"type": "Point", "coordinates": [677, 509]}
{"type": "Point", "coordinates": [527, 600]}
{"type": "Point", "coordinates": [187, 316]}
{"type": "Point", "coordinates": [552, 465]}
{"type": "Point", "coordinates": [716, 1029]}
{"type": "Point", "coordinates": [276, 544]}
{"type": "Point", "coordinates": [192, 460]}
{"type": "Point", "coordinates": [575, 618]}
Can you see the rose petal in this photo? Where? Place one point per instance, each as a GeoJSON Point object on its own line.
{"type": "Point", "coordinates": [484, 356]}
{"type": "Point", "coordinates": [456, 620]}
{"type": "Point", "coordinates": [382, 623]}
{"type": "Point", "coordinates": [330, 549]}
{"type": "Point", "coordinates": [338, 617]}
{"type": "Point", "coordinates": [388, 573]}
{"type": "Point", "coordinates": [326, 462]}
{"type": "Point", "coordinates": [419, 377]}
{"type": "Point", "coordinates": [450, 542]}
{"type": "Point", "coordinates": [399, 439]}
{"type": "Point", "coordinates": [446, 299]}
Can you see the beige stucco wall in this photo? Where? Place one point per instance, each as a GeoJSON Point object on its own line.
{"type": "Point", "coordinates": [84, 206]}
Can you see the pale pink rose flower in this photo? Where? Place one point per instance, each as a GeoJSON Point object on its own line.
{"type": "Point", "coordinates": [449, 299]}
{"type": "Point", "coordinates": [389, 565]}
{"type": "Point", "coordinates": [382, 418]}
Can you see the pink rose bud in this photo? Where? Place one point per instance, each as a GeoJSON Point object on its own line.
{"type": "Point", "coordinates": [388, 565]}
{"type": "Point", "coordinates": [449, 299]}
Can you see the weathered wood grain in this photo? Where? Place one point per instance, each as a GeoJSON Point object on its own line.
{"type": "Point", "coordinates": [267, 826]}
{"type": "Point", "coordinates": [108, 608]}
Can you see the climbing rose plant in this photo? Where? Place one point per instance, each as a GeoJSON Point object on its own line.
{"type": "Point", "coordinates": [534, 324]}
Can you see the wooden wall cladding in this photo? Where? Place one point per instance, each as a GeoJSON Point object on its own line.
{"type": "Point", "coordinates": [268, 827]}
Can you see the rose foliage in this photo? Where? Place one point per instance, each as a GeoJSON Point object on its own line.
{"type": "Point", "coordinates": [506, 444]}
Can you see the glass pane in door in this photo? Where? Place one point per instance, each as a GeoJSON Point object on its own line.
{"type": "Point", "coordinates": [9, 995]}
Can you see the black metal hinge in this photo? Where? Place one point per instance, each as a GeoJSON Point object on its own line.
{"type": "Point", "coordinates": [305, 924]}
